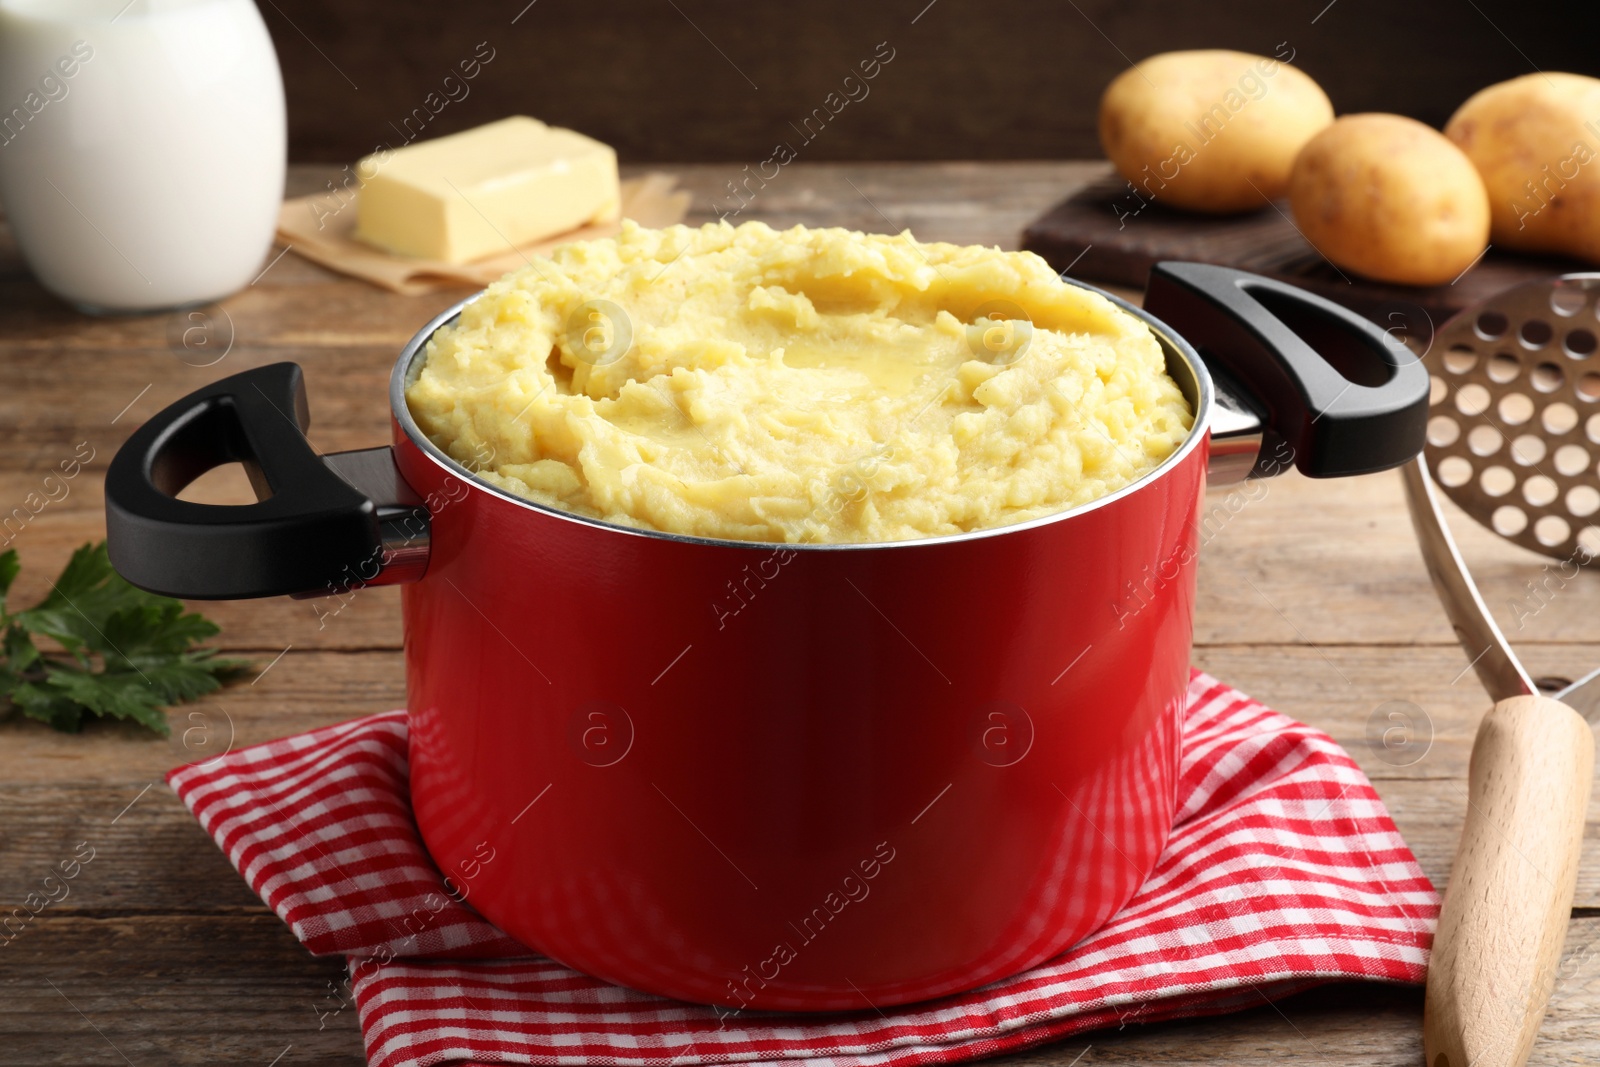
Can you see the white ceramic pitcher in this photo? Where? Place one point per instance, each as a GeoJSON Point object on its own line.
{"type": "Point", "coordinates": [142, 147]}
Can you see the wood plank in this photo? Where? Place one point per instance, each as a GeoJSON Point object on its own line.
{"type": "Point", "coordinates": [210, 989]}
{"type": "Point", "coordinates": [1331, 562]}
{"type": "Point", "coordinates": [172, 989]}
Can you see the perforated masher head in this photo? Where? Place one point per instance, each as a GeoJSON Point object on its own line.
{"type": "Point", "coordinates": [1514, 419]}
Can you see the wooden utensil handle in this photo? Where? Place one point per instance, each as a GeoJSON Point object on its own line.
{"type": "Point", "coordinates": [1510, 893]}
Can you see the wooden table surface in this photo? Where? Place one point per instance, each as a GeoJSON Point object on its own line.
{"type": "Point", "coordinates": [1312, 598]}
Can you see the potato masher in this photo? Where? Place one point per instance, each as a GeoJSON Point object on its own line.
{"type": "Point", "coordinates": [1513, 440]}
{"type": "Point", "coordinates": [1514, 425]}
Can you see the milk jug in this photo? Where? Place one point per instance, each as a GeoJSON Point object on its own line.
{"type": "Point", "coordinates": [142, 147]}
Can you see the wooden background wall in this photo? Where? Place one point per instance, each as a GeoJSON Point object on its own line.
{"type": "Point", "coordinates": [722, 80]}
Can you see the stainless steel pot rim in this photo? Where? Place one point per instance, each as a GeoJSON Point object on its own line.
{"type": "Point", "coordinates": [1183, 363]}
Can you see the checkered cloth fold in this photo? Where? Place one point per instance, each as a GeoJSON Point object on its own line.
{"type": "Point", "coordinates": [1283, 871]}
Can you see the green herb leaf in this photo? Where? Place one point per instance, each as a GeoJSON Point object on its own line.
{"type": "Point", "coordinates": [127, 654]}
{"type": "Point", "coordinates": [9, 566]}
{"type": "Point", "coordinates": [48, 705]}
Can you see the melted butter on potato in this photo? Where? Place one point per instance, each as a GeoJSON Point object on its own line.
{"type": "Point", "coordinates": [804, 385]}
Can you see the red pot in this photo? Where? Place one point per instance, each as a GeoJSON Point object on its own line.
{"type": "Point", "coordinates": [794, 777]}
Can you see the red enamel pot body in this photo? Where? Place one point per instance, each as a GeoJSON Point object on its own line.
{"type": "Point", "coordinates": [798, 778]}
{"type": "Point", "coordinates": [803, 777]}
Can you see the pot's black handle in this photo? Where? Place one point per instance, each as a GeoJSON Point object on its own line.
{"type": "Point", "coordinates": [309, 530]}
{"type": "Point", "coordinates": [1335, 389]}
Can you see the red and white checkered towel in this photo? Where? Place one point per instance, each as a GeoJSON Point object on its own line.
{"type": "Point", "coordinates": [1284, 871]}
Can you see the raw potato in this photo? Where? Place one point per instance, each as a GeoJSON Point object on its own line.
{"type": "Point", "coordinates": [1389, 198]}
{"type": "Point", "coordinates": [1535, 140]}
{"type": "Point", "coordinates": [1212, 131]}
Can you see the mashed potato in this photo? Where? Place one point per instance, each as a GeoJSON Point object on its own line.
{"type": "Point", "coordinates": [804, 385]}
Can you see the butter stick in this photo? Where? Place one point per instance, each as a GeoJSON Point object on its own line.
{"type": "Point", "coordinates": [485, 191]}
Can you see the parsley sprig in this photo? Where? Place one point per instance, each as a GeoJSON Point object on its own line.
{"type": "Point", "coordinates": [124, 653]}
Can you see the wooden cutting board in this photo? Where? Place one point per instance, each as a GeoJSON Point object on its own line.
{"type": "Point", "coordinates": [1103, 234]}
